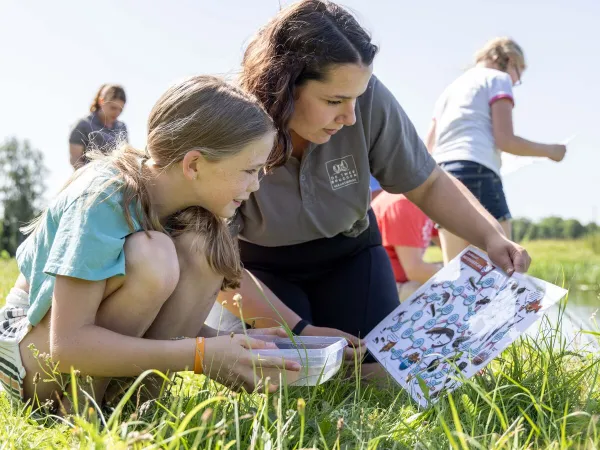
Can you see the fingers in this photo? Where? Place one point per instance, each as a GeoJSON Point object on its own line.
{"type": "Point", "coordinates": [351, 353]}
{"type": "Point", "coordinates": [253, 344]}
{"type": "Point", "coordinates": [273, 362]}
{"type": "Point", "coordinates": [505, 262]}
{"type": "Point", "coordinates": [353, 340]}
{"type": "Point", "coordinates": [521, 260]}
{"type": "Point", "coordinates": [274, 331]}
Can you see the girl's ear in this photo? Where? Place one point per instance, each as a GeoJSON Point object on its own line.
{"type": "Point", "coordinates": [191, 164]}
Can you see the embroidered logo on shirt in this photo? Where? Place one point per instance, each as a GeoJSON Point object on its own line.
{"type": "Point", "coordinates": [342, 172]}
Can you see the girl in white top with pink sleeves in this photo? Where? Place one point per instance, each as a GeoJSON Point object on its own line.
{"type": "Point", "coordinates": [472, 124]}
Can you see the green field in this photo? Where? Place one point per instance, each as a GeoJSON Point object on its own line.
{"type": "Point", "coordinates": [538, 394]}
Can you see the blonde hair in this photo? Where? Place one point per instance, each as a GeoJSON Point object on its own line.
{"type": "Point", "coordinates": [502, 51]}
{"type": "Point", "coordinates": [202, 113]}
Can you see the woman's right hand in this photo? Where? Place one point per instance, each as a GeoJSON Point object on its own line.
{"type": "Point", "coordinates": [356, 347]}
{"type": "Point", "coordinates": [557, 152]}
{"type": "Point", "coordinates": [228, 360]}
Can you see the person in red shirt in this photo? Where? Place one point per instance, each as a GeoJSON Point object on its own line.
{"type": "Point", "coordinates": [406, 233]}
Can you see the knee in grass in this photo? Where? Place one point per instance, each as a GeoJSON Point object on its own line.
{"type": "Point", "coordinates": [153, 259]}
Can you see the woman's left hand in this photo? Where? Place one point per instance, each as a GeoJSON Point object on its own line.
{"type": "Point", "coordinates": [507, 255]}
{"type": "Point", "coordinates": [274, 331]}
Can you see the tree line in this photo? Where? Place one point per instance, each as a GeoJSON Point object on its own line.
{"type": "Point", "coordinates": [552, 228]}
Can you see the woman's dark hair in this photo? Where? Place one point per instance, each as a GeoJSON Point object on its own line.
{"type": "Point", "coordinates": [109, 92]}
{"type": "Point", "coordinates": [300, 43]}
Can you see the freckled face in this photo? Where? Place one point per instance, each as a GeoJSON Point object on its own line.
{"type": "Point", "coordinates": [222, 186]}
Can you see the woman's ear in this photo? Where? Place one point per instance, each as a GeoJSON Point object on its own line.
{"type": "Point", "coordinates": [191, 164]}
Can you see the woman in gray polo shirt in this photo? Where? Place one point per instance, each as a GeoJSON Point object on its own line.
{"type": "Point", "coordinates": [308, 239]}
{"type": "Point", "coordinates": [100, 129]}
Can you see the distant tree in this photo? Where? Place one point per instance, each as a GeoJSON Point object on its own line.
{"type": "Point", "coordinates": [572, 229]}
{"type": "Point", "coordinates": [591, 228]}
{"type": "Point", "coordinates": [22, 172]}
{"type": "Point", "coordinates": [551, 228]}
{"type": "Point", "coordinates": [520, 227]}
{"type": "Point", "coordinates": [532, 233]}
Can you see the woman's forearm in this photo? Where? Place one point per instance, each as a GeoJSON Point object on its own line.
{"type": "Point", "coordinates": [259, 304]}
{"type": "Point", "coordinates": [448, 202]}
{"type": "Point", "coordinates": [522, 147]}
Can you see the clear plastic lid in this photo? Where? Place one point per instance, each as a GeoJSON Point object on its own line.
{"type": "Point", "coordinates": [320, 356]}
{"type": "Point", "coordinates": [314, 348]}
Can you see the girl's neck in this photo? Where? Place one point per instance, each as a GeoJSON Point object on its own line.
{"type": "Point", "coordinates": [103, 119]}
{"type": "Point", "coordinates": [166, 192]}
{"type": "Point", "coordinates": [487, 65]}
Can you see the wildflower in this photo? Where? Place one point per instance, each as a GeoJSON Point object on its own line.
{"type": "Point", "coordinates": [237, 300]}
{"type": "Point", "coordinates": [136, 436]}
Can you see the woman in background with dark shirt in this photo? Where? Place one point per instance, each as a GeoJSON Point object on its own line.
{"type": "Point", "coordinates": [100, 129]}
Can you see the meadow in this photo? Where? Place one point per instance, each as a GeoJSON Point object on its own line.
{"type": "Point", "coordinates": [542, 392]}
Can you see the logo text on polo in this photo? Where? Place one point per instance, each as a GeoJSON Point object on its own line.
{"type": "Point", "coordinates": [342, 172]}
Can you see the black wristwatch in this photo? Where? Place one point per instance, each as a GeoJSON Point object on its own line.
{"type": "Point", "coordinates": [300, 326]}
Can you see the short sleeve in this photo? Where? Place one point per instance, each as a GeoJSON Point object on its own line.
{"type": "Point", "coordinates": [397, 156]}
{"type": "Point", "coordinates": [79, 134]}
{"type": "Point", "coordinates": [124, 134]}
{"type": "Point", "coordinates": [406, 226]}
{"type": "Point", "coordinates": [499, 87]}
{"type": "Point", "coordinates": [89, 240]}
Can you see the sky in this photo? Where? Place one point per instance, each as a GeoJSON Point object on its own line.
{"type": "Point", "coordinates": [55, 55]}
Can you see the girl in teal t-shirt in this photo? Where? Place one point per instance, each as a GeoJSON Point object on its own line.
{"type": "Point", "coordinates": [134, 250]}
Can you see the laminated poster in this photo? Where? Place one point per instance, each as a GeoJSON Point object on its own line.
{"type": "Point", "coordinates": [458, 321]}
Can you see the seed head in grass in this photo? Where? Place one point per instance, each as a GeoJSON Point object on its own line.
{"type": "Point", "coordinates": [301, 405]}
{"type": "Point", "coordinates": [237, 300]}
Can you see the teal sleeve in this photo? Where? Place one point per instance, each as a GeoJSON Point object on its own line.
{"type": "Point", "coordinates": [89, 240]}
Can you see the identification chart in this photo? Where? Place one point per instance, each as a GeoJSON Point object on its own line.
{"type": "Point", "coordinates": [458, 321]}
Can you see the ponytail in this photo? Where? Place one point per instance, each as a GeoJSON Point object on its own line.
{"type": "Point", "coordinates": [95, 106]}
{"type": "Point", "coordinates": [501, 51]}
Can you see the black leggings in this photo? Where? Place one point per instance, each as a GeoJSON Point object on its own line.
{"type": "Point", "coordinates": [340, 282]}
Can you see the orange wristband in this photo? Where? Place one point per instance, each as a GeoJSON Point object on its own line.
{"type": "Point", "coordinates": [199, 356]}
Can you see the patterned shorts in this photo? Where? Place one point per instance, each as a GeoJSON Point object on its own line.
{"type": "Point", "coordinates": [13, 328]}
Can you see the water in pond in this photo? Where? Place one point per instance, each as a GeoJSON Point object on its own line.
{"type": "Point", "coordinates": [578, 316]}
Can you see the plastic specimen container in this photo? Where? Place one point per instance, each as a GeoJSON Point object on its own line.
{"type": "Point", "coordinates": [320, 356]}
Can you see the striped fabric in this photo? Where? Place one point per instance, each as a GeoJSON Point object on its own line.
{"type": "Point", "coordinates": [13, 327]}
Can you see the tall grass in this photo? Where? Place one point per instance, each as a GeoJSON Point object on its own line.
{"type": "Point", "coordinates": [539, 393]}
{"type": "Point", "coordinates": [542, 392]}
